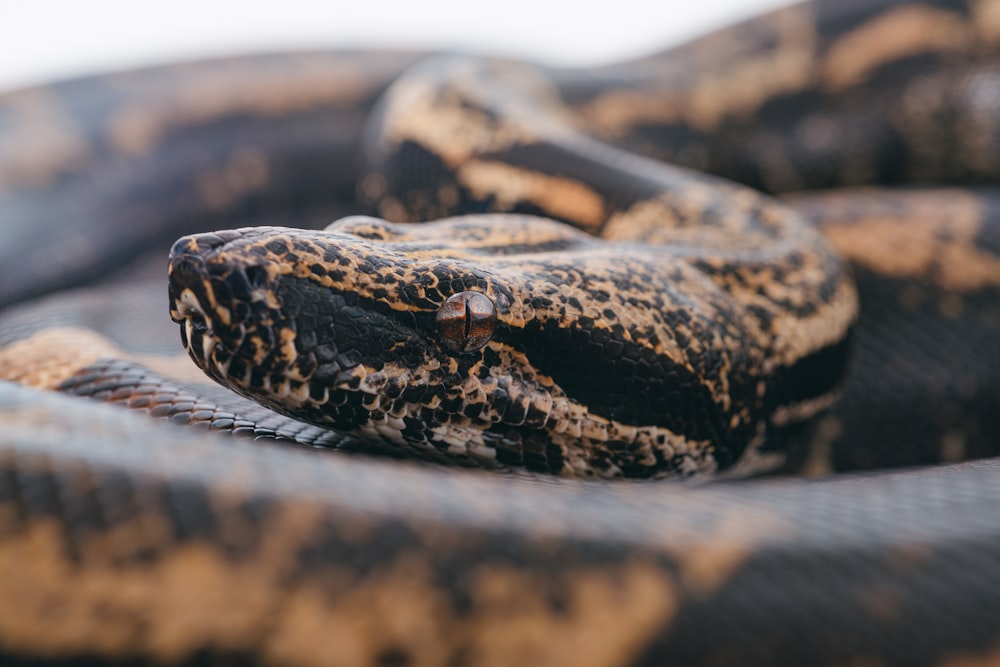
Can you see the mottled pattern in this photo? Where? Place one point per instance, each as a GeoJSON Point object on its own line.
{"type": "Point", "coordinates": [667, 363]}
{"type": "Point", "coordinates": [122, 539]}
{"type": "Point", "coordinates": [698, 321]}
{"type": "Point", "coordinates": [673, 361]}
{"type": "Point", "coordinates": [927, 267]}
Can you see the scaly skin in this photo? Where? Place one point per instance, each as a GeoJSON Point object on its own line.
{"type": "Point", "coordinates": [124, 539]}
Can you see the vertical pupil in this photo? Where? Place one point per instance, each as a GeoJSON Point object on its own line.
{"type": "Point", "coordinates": [472, 332]}
{"type": "Point", "coordinates": [468, 317]}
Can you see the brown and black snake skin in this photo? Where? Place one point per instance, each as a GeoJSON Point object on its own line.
{"type": "Point", "coordinates": [782, 261]}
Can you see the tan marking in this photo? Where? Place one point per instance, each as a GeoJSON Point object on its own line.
{"type": "Point", "coordinates": [931, 238]}
{"type": "Point", "coordinates": [789, 337]}
{"type": "Point", "coordinates": [673, 221]}
{"type": "Point", "coordinates": [229, 89]}
{"type": "Point", "coordinates": [805, 410]}
{"type": "Point", "coordinates": [286, 344]}
{"type": "Point", "coordinates": [819, 459]}
{"type": "Point", "coordinates": [560, 197]}
{"type": "Point", "coordinates": [602, 269]}
{"type": "Point", "coordinates": [195, 597]}
{"type": "Point", "coordinates": [391, 209]}
{"type": "Point", "coordinates": [52, 356]}
{"type": "Point", "coordinates": [580, 435]}
{"type": "Point", "coordinates": [709, 557]}
{"type": "Point", "coordinates": [449, 196]}
{"type": "Point", "coordinates": [192, 598]}
{"type": "Point", "coordinates": [42, 142]}
{"type": "Point", "coordinates": [898, 33]}
{"type": "Point", "coordinates": [754, 80]}
{"type": "Point", "coordinates": [611, 616]}
{"type": "Point", "coordinates": [986, 19]}
{"type": "Point", "coordinates": [795, 337]}
{"type": "Point", "coordinates": [462, 236]}
{"type": "Point", "coordinates": [245, 171]}
{"type": "Point", "coordinates": [55, 355]}
{"type": "Point", "coordinates": [453, 132]}
{"type": "Point", "coordinates": [396, 608]}
{"type": "Point", "coordinates": [734, 82]}
{"type": "Point", "coordinates": [754, 461]}
{"type": "Point", "coordinates": [649, 220]}
{"type": "Point", "coordinates": [615, 113]}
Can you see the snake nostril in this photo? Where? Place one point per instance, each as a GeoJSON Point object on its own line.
{"type": "Point", "coordinates": [185, 270]}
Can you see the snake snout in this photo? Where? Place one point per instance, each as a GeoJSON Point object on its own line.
{"type": "Point", "coordinates": [204, 282]}
{"type": "Point", "coordinates": [186, 275]}
{"type": "Point", "coordinates": [202, 244]}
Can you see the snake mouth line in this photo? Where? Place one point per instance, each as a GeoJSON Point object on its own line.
{"type": "Point", "coordinates": [198, 335]}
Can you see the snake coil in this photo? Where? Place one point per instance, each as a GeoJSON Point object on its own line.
{"type": "Point", "coordinates": [596, 298]}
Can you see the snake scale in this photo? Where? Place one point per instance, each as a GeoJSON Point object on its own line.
{"type": "Point", "coordinates": [839, 311]}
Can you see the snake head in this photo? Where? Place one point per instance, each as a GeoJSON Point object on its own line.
{"type": "Point", "coordinates": [512, 341]}
{"type": "Point", "coordinates": [369, 328]}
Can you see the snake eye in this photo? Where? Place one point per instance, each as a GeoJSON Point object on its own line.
{"type": "Point", "coordinates": [466, 321]}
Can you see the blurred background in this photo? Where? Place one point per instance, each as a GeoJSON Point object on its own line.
{"type": "Point", "coordinates": [49, 39]}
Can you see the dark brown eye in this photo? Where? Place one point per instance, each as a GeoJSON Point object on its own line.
{"type": "Point", "coordinates": [466, 321]}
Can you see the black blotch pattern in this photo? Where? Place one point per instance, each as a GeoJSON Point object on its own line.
{"type": "Point", "coordinates": [625, 382]}
{"type": "Point", "coordinates": [812, 376]}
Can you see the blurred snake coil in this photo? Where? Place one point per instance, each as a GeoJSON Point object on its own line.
{"type": "Point", "coordinates": [696, 360]}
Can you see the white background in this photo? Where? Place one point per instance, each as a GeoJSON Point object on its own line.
{"type": "Point", "coordinates": [46, 39]}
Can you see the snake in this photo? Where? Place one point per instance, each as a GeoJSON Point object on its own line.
{"type": "Point", "coordinates": [691, 359]}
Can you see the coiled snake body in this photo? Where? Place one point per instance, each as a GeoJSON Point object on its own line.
{"type": "Point", "coordinates": [687, 326]}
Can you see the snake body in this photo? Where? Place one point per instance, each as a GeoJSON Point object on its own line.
{"type": "Point", "coordinates": [727, 311]}
{"type": "Point", "coordinates": [686, 326]}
